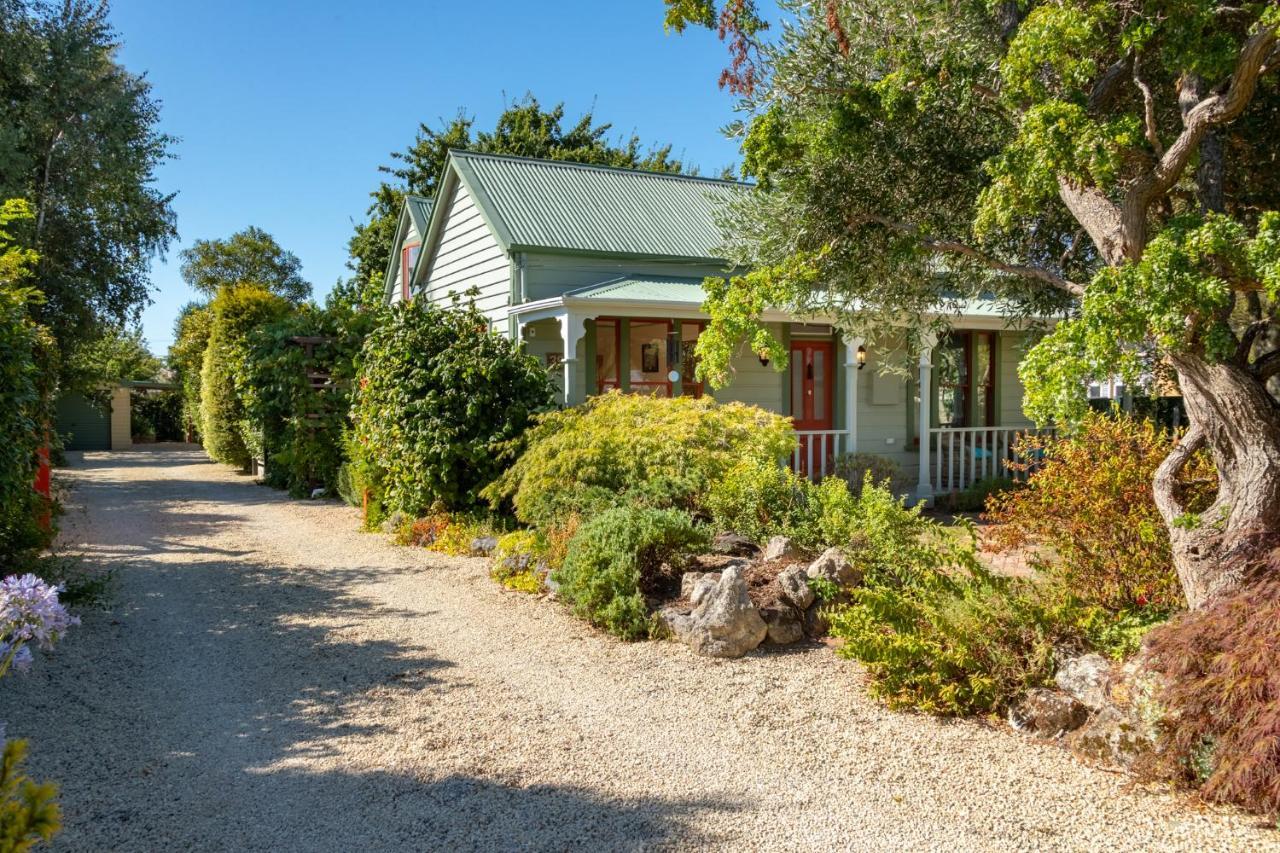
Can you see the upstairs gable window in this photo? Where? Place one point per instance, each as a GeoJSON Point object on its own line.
{"type": "Point", "coordinates": [408, 257]}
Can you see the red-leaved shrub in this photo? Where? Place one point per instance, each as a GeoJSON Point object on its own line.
{"type": "Point", "coordinates": [1089, 499]}
{"type": "Point", "coordinates": [1222, 662]}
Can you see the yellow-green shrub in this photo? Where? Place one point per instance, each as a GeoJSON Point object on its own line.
{"type": "Point", "coordinates": [634, 450]}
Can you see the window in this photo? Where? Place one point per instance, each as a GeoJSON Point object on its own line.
{"type": "Point", "coordinates": [654, 348]}
{"type": "Point", "coordinates": [648, 366]}
{"type": "Point", "coordinates": [608, 342]}
{"type": "Point", "coordinates": [408, 257]}
{"type": "Point", "coordinates": [966, 380]}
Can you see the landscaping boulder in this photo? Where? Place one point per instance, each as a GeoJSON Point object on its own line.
{"type": "Point", "coordinates": [1047, 713]}
{"type": "Point", "coordinates": [733, 545]}
{"type": "Point", "coordinates": [483, 546]}
{"type": "Point", "coordinates": [724, 624]}
{"type": "Point", "coordinates": [794, 583]}
{"type": "Point", "coordinates": [816, 623]}
{"type": "Point", "coordinates": [1084, 677]}
{"type": "Point", "coordinates": [784, 623]}
{"type": "Point", "coordinates": [395, 521]}
{"type": "Point", "coordinates": [694, 586]}
{"type": "Point", "coordinates": [1123, 732]}
{"type": "Point", "coordinates": [835, 567]}
{"type": "Point", "coordinates": [779, 548]}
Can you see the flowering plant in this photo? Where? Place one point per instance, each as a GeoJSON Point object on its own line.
{"type": "Point", "coordinates": [29, 613]}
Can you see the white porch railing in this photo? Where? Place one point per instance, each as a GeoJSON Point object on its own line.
{"type": "Point", "coordinates": [816, 451]}
{"type": "Point", "coordinates": [963, 456]}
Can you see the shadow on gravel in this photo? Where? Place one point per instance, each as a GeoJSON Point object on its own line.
{"type": "Point", "coordinates": [463, 813]}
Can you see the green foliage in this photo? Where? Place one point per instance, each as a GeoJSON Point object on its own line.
{"type": "Point", "coordinates": [25, 398]}
{"type": "Point", "coordinates": [186, 359]}
{"type": "Point", "coordinates": [520, 559]}
{"type": "Point", "coordinates": [248, 257]}
{"type": "Point", "coordinates": [759, 499]}
{"type": "Point", "coordinates": [80, 142]}
{"type": "Point", "coordinates": [438, 397]}
{"type": "Point", "coordinates": [1177, 297]}
{"type": "Point", "coordinates": [29, 812]}
{"type": "Point", "coordinates": [230, 436]}
{"type": "Point", "coordinates": [855, 468]}
{"type": "Point", "coordinates": [157, 416]}
{"type": "Point", "coordinates": [949, 642]}
{"type": "Point", "coordinates": [974, 497]}
{"type": "Point", "coordinates": [303, 425]}
{"type": "Point", "coordinates": [619, 449]}
{"type": "Point", "coordinates": [524, 128]}
{"type": "Point", "coordinates": [118, 355]}
{"type": "Point", "coordinates": [1089, 499]}
{"type": "Point", "coordinates": [1222, 695]}
{"type": "Point", "coordinates": [614, 560]}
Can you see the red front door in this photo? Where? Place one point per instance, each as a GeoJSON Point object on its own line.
{"type": "Point", "coordinates": [811, 398]}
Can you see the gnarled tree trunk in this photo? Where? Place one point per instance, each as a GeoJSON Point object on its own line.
{"type": "Point", "coordinates": [1234, 417]}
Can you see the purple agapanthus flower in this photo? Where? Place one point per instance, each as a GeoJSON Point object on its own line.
{"type": "Point", "coordinates": [29, 613]}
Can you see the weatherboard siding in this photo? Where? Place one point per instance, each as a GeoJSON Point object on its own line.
{"type": "Point", "coordinates": [469, 256]}
{"type": "Point", "coordinates": [752, 382]}
{"type": "Point", "coordinates": [1011, 348]}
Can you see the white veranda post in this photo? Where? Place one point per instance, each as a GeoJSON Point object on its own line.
{"type": "Point", "coordinates": [924, 485]}
{"type": "Point", "coordinates": [851, 347]}
{"type": "Point", "coordinates": [573, 328]}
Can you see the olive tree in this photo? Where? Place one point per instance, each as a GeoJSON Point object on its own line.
{"type": "Point", "coordinates": [1110, 162]}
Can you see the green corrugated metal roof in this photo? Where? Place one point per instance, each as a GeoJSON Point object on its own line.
{"type": "Point", "coordinates": [420, 210]}
{"type": "Point", "coordinates": [548, 204]}
{"type": "Point", "coordinates": [651, 288]}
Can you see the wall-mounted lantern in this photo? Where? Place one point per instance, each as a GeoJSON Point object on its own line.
{"type": "Point", "coordinates": [862, 357]}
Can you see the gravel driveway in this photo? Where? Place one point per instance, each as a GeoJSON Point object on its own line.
{"type": "Point", "coordinates": [272, 679]}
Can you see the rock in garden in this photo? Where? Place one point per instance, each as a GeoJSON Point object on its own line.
{"type": "Point", "coordinates": [835, 567]}
{"type": "Point", "coordinates": [1047, 713]}
{"type": "Point", "coordinates": [794, 583]}
{"type": "Point", "coordinates": [1085, 677]}
{"type": "Point", "coordinates": [733, 545]}
{"type": "Point", "coordinates": [1115, 735]}
{"type": "Point", "coordinates": [483, 546]}
{"type": "Point", "coordinates": [784, 623]}
{"type": "Point", "coordinates": [394, 522]}
{"type": "Point", "coordinates": [816, 623]}
{"type": "Point", "coordinates": [779, 548]}
{"type": "Point", "coordinates": [694, 586]}
{"type": "Point", "coordinates": [725, 624]}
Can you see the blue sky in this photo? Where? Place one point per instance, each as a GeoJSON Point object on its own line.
{"type": "Point", "coordinates": [286, 109]}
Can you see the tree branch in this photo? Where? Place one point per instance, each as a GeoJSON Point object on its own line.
{"type": "Point", "coordinates": [1148, 112]}
{"type": "Point", "coordinates": [1098, 215]}
{"type": "Point", "coordinates": [1267, 366]}
{"type": "Point", "coordinates": [1247, 337]}
{"type": "Point", "coordinates": [954, 247]}
{"type": "Point", "coordinates": [1165, 485]}
{"type": "Point", "coordinates": [1109, 84]}
{"type": "Point", "coordinates": [1218, 108]}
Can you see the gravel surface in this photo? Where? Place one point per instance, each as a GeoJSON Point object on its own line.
{"type": "Point", "coordinates": [271, 679]}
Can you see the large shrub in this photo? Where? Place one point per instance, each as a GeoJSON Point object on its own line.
{"type": "Point", "coordinates": [438, 398]}
{"type": "Point", "coordinates": [613, 562]}
{"type": "Point", "coordinates": [26, 375]}
{"type": "Point", "coordinates": [1221, 729]}
{"type": "Point", "coordinates": [230, 436]}
{"type": "Point", "coordinates": [1089, 499]}
{"type": "Point", "coordinates": [936, 630]}
{"type": "Point", "coordinates": [621, 449]}
{"type": "Point", "coordinates": [303, 421]}
{"type": "Point", "coordinates": [186, 360]}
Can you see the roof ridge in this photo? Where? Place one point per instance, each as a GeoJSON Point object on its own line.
{"type": "Point", "coordinates": [573, 164]}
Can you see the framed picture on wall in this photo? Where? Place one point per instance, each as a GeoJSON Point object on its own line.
{"type": "Point", "coordinates": [649, 358]}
